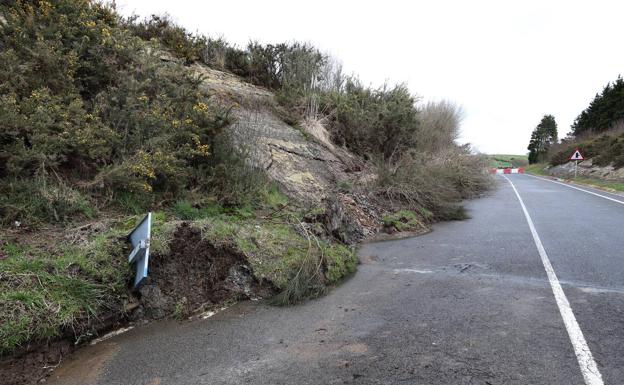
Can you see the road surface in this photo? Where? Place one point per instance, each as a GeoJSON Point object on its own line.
{"type": "Point", "coordinates": [469, 303]}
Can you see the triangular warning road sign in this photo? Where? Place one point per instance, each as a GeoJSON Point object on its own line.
{"type": "Point", "coordinates": [577, 155]}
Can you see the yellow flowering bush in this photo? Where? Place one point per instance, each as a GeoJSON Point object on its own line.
{"type": "Point", "coordinates": [83, 103]}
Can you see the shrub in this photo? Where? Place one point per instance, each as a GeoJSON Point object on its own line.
{"type": "Point", "coordinates": [86, 109]}
{"type": "Point", "coordinates": [606, 149]}
{"type": "Point", "coordinates": [373, 123]}
{"type": "Point", "coordinates": [435, 185]}
{"type": "Point", "coordinates": [39, 200]}
{"type": "Point", "coordinates": [439, 126]}
{"type": "Point", "coordinates": [177, 40]}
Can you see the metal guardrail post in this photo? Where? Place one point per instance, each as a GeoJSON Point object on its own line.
{"type": "Point", "coordinates": [140, 240]}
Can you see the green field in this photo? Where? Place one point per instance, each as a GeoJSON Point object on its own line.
{"type": "Point", "coordinates": [506, 160]}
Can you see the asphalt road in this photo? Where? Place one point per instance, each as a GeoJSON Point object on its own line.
{"type": "Point", "coordinates": [469, 303]}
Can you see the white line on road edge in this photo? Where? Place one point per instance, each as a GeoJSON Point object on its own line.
{"type": "Point", "coordinates": [580, 189]}
{"type": "Point", "coordinates": [583, 354]}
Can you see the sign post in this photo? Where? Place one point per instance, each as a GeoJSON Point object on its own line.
{"type": "Point", "coordinates": [576, 156]}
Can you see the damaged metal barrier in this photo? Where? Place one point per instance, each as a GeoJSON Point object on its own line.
{"type": "Point", "coordinates": [140, 240]}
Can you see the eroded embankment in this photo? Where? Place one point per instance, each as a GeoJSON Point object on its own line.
{"type": "Point", "coordinates": [196, 275]}
{"type": "Point", "coordinates": [196, 266]}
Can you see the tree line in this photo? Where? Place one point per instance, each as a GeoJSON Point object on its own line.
{"type": "Point", "coordinates": [604, 113]}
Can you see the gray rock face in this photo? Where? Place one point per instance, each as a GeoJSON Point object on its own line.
{"type": "Point", "coordinates": [340, 223]}
{"type": "Point", "coordinates": [302, 160]}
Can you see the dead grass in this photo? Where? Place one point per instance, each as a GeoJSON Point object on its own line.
{"type": "Point", "coordinates": [436, 184]}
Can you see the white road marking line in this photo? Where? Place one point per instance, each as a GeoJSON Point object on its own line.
{"type": "Point", "coordinates": [589, 369]}
{"type": "Point", "coordinates": [577, 188]}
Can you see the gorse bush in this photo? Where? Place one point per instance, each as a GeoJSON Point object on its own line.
{"type": "Point", "coordinates": [374, 123]}
{"type": "Point", "coordinates": [181, 43]}
{"type": "Point", "coordinates": [85, 103]}
{"type": "Point", "coordinates": [604, 150]}
{"type": "Point", "coordinates": [275, 66]}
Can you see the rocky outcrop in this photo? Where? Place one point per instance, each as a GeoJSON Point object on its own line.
{"type": "Point", "coordinates": [589, 170]}
{"type": "Point", "coordinates": [300, 158]}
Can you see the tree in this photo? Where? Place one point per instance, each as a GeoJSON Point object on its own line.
{"type": "Point", "coordinates": [605, 111]}
{"type": "Point", "coordinates": [543, 136]}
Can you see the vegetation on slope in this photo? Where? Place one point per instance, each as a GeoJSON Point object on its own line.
{"type": "Point", "coordinates": [413, 146]}
{"type": "Point", "coordinates": [597, 131]}
{"type": "Point", "coordinates": [96, 129]}
{"type": "Point", "coordinates": [507, 160]}
{"type": "Point", "coordinates": [604, 150]}
{"type": "Point", "coordinates": [604, 112]}
{"type": "Point", "coordinates": [602, 184]}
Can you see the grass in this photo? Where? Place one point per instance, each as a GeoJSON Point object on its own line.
{"type": "Point", "coordinates": [278, 248]}
{"type": "Point", "coordinates": [602, 184]}
{"type": "Point", "coordinates": [345, 186]}
{"type": "Point", "coordinates": [403, 220]}
{"type": "Point", "coordinates": [46, 293]}
{"type": "Point", "coordinates": [51, 291]}
{"type": "Point", "coordinates": [34, 201]}
{"type": "Point", "coordinates": [507, 160]}
{"type": "Point", "coordinates": [283, 252]}
{"type": "Point", "coordinates": [537, 169]}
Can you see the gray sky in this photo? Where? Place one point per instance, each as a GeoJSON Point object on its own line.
{"type": "Point", "coordinates": [507, 64]}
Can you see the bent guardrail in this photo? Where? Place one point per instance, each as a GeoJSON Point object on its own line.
{"type": "Point", "coordinates": [140, 240]}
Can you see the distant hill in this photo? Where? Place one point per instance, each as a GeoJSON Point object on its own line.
{"type": "Point", "coordinates": [506, 160]}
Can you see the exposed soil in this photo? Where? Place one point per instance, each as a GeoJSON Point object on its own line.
{"type": "Point", "coordinates": [33, 363]}
{"type": "Point", "coordinates": [194, 276]}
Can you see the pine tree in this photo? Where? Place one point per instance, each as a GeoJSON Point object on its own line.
{"type": "Point", "coordinates": [542, 137]}
{"type": "Point", "coordinates": [603, 112]}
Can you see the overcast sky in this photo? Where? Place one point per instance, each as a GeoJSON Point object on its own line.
{"type": "Point", "coordinates": [507, 64]}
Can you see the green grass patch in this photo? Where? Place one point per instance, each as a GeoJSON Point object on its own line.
{"type": "Point", "coordinates": [507, 160]}
{"type": "Point", "coordinates": [600, 183]}
{"type": "Point", "coordinates": [297, 263]}
{"type": "Point", "coordinates": [341, 261]}
{"type": "Point", "coordinates": [45, 293]}
{"type": "Point", "coordinates": [345, 186]}
{"type": "Point", "coordinates": [537, 169]}
{"type": "Point", "coordinates": [403, 220]}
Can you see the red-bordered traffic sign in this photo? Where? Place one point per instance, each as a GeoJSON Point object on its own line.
{"type": "Point", "coordinates": [577, 155]}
